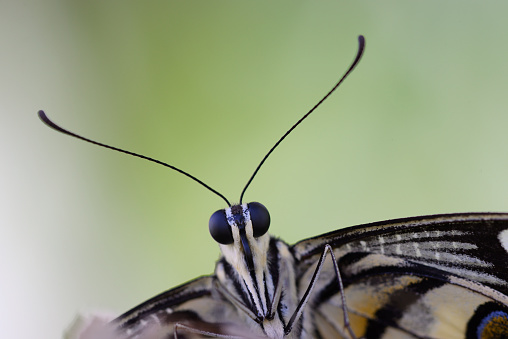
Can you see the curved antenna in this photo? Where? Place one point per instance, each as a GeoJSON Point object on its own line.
{"type": "Point", "coordinates": [361, 47]}
{"type": "Point", "coordinates": [51, 124]}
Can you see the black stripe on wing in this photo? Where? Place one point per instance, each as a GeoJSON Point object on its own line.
{"type": "Point", "coordinates": [195, 304]}
{"type": "Point", "coordinates": [469, 246]}
{"type": "Point", "coordinates": [166, 301]}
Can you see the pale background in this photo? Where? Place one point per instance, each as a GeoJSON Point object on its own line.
{"type": "Point", "coordinates": [419, 128]}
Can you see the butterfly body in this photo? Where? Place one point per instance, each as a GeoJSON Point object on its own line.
{"type": "Point", "coordinates": [442, 276]}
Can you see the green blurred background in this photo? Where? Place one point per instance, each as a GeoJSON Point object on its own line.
{"type": "Point", "coordinates": [420, 127]}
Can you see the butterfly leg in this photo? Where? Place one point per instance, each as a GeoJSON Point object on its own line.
{"type": "Point", "coordinates": [303, 302]}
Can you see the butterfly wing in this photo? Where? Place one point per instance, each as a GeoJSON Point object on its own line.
{"type": "Point", "coordinates": [196, 305]}
{"type": "Point", "coordinates": [441, 276]}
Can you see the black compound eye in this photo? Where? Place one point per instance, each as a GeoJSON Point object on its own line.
{"type": "Point", "coordinates": [260, 218]}
{"type": "Point", "coordinates": [220, 229]}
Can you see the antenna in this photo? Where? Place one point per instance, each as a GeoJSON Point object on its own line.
{"type": "Point", "coordinates": [48, 122]}
{"type": "Point", "coordinates": [54, 126]}
{"type": "Point", "coordinates": [361, 47]}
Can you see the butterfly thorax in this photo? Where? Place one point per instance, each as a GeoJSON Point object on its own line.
{"type": "Point", "coordinates": [251, 273]}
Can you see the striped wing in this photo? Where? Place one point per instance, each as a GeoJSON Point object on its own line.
{"type": "Point", "coordinates": [441, 276]}
{"type": "Point", "coordinates": [196, 304]}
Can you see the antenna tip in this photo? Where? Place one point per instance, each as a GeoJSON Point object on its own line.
{"type": "Point", "coordinates": [361, 40]}
{"type": "Point", "coordinates": [44, 118]}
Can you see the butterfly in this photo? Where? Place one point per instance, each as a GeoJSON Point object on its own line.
{"type": "Point", "coordinates": [437, 276]}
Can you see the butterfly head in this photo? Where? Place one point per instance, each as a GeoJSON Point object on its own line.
{"type": "Point", "coordinates": [242, 234]}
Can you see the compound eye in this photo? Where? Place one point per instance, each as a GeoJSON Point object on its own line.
{"type": "Point", "coordinates": [260, 218]}
{"type": "Point", "coordinates": [220, 229]}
